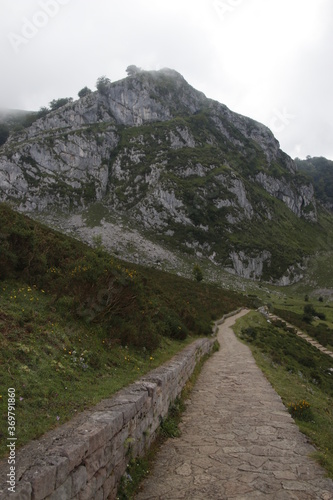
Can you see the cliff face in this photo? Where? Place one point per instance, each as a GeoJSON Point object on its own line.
{"type": "Point", "coordinates": [175, 166]}
{"type": "Point", "coordinates": [319, 171]}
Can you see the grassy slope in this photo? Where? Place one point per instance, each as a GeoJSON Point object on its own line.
{"type": "Point", "coordinates": [315, 290]}
{"type": "Point", "coordinates": [76, 325]}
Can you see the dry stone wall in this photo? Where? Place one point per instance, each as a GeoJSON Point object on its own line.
{"type": "Point", "coordinates": [85, 458]}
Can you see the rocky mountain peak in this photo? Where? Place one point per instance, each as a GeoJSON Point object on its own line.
{"type": "Point", "coordinates": [178, 167]}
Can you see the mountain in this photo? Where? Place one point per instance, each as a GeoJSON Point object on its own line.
{"type": "Point", "coordinates": [161, 174]}
{"type": "Point", "coordinates": [320, 171]}
{"type": "Point", "coordinates": [13, 117]}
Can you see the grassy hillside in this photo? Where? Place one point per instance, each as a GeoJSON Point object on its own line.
{"type": "Point", "coordinates": [76, 324]}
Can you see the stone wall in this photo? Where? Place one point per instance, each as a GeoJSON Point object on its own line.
{"type": "Point", "coordinates": [86, 457]}
{"type": "Point", "coordinates": [222, 320]}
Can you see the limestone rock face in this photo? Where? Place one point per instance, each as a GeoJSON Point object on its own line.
{"type": "Point", "coordinates": [249, 267]}
{"type": "Point", "coordinates": [131, 102]}
{"type": "Point", "coordinates": [238, 189]}
{"type": "Point", "coordinates": [57, 170]}
{"type": "Point", "coordinates": [296, 197]}
{"type": "Point", "coordinates": [160, 157]}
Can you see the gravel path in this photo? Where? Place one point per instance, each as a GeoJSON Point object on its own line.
{"type": "Point", "coordinates": [238, 441]}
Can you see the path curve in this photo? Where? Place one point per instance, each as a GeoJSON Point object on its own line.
{"type": "Point", "coordinates": [238, 441]}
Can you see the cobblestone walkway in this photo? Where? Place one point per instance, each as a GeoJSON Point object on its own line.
{"type": "Point", "coordinates": [238, 441]}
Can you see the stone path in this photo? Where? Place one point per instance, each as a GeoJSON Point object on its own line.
{"type": "Point", "coordinates": [238, 441]}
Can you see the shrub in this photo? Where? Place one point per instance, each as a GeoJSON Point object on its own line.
{"type": "Point", "coordinates": [197, 273]}
{"type": "Point", "coordinates": [201, 327]}
{"type": "Point", "coordinates": [301, 410]}
{"type": "Point", "coordinates": [169, 426]}
{"type": "Point", "coordinates": [310, 312]}
{"type": "Point", "coordinates": [279, 324]}
{"type": "Point", "coordinates": [132, 70]}
{"type": "Point", "coordinates": [43, 111]}
{"type": "Point", "coordinates": [83, 92]}
{"type": "Point", "coordinates": [103, 84]}
{"type": "Point", "coordinates": [307, 318]}
{"type": "Point", "coordinates": [309, 309]}
{"type": "Point", "coordinates": [174, 328]}
{"type": "Point", "coordinates": [249, 334]}
{"type": "Point", "coordinates": [58, 103]}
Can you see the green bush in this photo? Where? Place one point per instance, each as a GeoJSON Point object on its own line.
{"type": "Point", "coordinates": [249, 334]}
{"type": "Point", "coordinates": [310, 313]}
{"type": "Point", "coordinates": [83, 92]}
{"type": "Point", "coordinates": [197, 272]}
{"type": "Point", "coordinates": [103, 83]}
{"type": "Point", "coordinates": [301, 410]}
{"type": "Point", "coordinates": [169, 425]}
{"type": "Point", "coordinates": [174, 328]}
{"type": "Point", "coordinates": [58, 103]}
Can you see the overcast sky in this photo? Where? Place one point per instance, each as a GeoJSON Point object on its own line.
{"type": "Point", "coordinates": [267, 59]}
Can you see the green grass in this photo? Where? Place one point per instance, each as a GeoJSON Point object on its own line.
{"type": "Point", "coordinates": [290, 303]}
{"type": "Point", "coordinates": [298, 372]}
{"type": "Point", "coordinates": [58, 365]}
{"type": "Point", "coordinates": [77, 325]}
{"type": "Point", "coordinates": [321, 269]}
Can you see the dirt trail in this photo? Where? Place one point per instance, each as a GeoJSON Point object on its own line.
{"type": "Point", "coordinates": [238, 441]}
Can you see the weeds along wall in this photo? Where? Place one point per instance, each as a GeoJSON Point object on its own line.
{"type": "Point", "coordinates": [86, 457]}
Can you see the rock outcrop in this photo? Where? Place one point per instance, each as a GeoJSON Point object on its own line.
{"type": "Point", "coordinates": [299, 199]}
